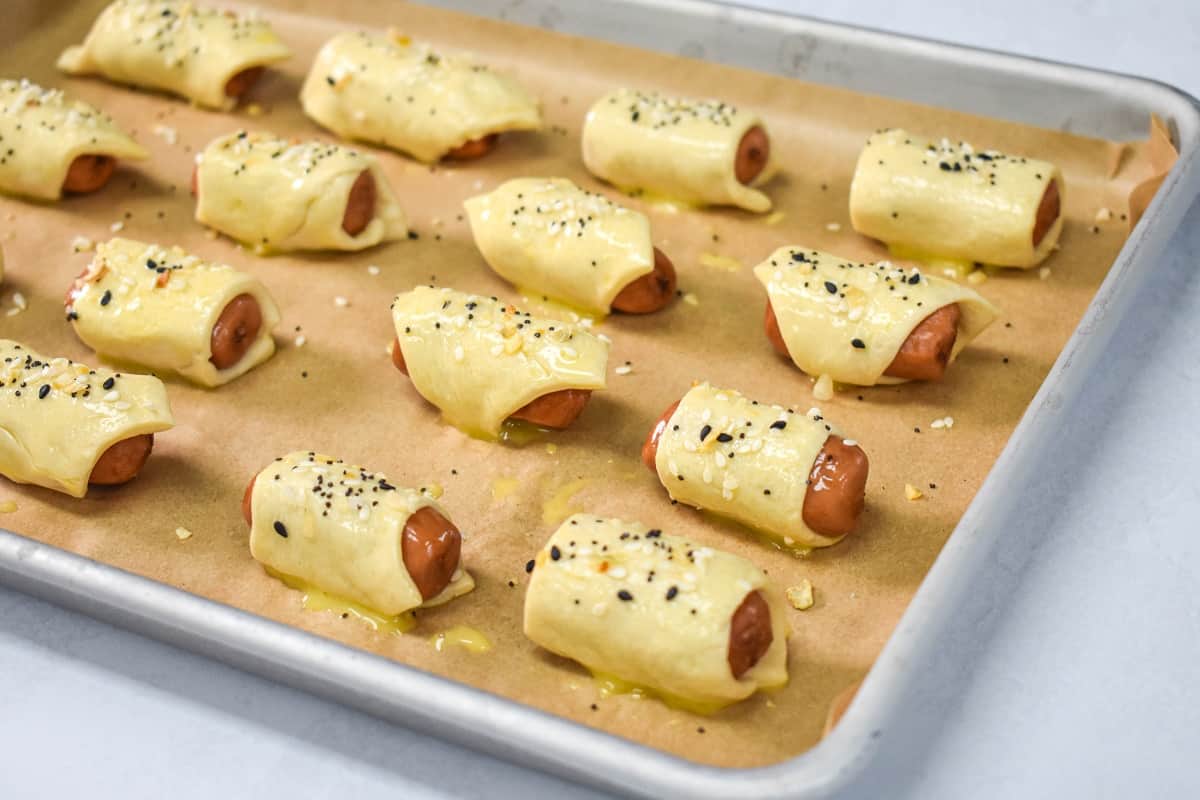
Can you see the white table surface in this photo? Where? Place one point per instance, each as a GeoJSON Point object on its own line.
{"type": "Point", "coordinates": [1083, 689]}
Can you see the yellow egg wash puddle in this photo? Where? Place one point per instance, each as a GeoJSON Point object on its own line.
{"type": "Point", "coordinates": [317, 599]}
{"type": "Point", "coordinates": [715, 261]}
{"type": "Point", "coordinates": [545, 306]}
{"type": "Point", "coordinates": [735, 527]}
{"type": "Point", "coordinates": [558, 507]}
{"type": "Point", "coordinates": [518, 433]}
{"type": "Point", "coordinates": [503, 488]}
{"type": "Point", "coordinates": [608, 685]}
{"type": "Point", "coordinates": [471, 640]}
{"type": "Point", "coordinates": [952, 267]}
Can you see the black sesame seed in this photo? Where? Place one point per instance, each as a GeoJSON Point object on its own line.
{"type": "Point", "coordinates": [654, 533]}
{"type": "Point", "coordinates": [779, 424]}
{"type": "Point", "coordinates": [281, 529]}
{"type": "Point", "coordinates": [624, 595]}
{"type": "Point", "coordinates": [859, 344]}
{"type": "Point", "coordinates": [724, 437]}
{"type": "Point", "coordinates": [674, 590]}
{"type": "Point", "coordinates": [529, 566]}
{"type": "Point", "coordinates": [555, 553]}
{"type": "Point", "coordinates": [42, 392]}
{"type": "Point", "coordinates": [107, 298]}
{"type": "Point", "coordinates": [831, 287]}
{"type": "Point", "coordinates": [705, 431]}
{"type": "Point", "coordinates": [108, 384]}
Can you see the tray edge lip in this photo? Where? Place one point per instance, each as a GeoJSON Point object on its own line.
{"type": "Point", "coordinates": [829, 752]}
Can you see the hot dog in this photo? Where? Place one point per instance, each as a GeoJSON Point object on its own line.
{"type": "Point", "coordinates": [629, 601]}
{"type": "Point", "coordinates": [753, 153]}
{"type": "Point", "coordinates": [89, 173]}
{"type": "Point", "coordinates": [67, 426]}
{"type": "Point", "coordinates": [1047, 213]}
{"type": "Point", "coordinates": [243, 171]}
{"type": "Point", "coordinates": [166, 309]}
{"type": "Point", "coordinates": [476, 148]}
{"type": "Point", "coordinates": [122, 461]}
{"type": "Point", "coordinates": [431, 546]}
{"type": "Point", "coordinates": [360, 204]}
{"type": "Point", "coordinates": [837, 480]}
{"type": "Point", "coordinates": [235, 331]}
{"type": "Point", "coordinates": [555, 410]}
{"type": "Point", "coordinates": [750, 634]}
{"type": "Point", "coordinates": [241, 82]}
{"type": "Point", "coordinates": [923, 356]}
{"type": "Point", "coordinates": [650, 292]}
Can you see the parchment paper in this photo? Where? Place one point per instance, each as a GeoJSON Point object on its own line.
{"type": "Point", "coordinates": [339, 394]}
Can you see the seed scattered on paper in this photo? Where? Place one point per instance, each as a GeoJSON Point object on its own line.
{"type": "Point", "coordinates": [942, 422]}
{"type": "Point", "coordinates": [912, 492]}
{"type": "Point", "coordinates": [624, 369]}
{"type": "Point", "coordinates": [340, 302]}
{"type": "Point", "coordinates": [168, 134]}
{"type": "Point", "coordinates": [300, 340]}
{"type": "Point", "coordinates": [117, 226]}
{"type": "Point", "coordinates": [833, 226]}
{"type": "Point", "coordinates": [1103, 215]}
{"type": "Point", "coordinates": [1044, 273]}
{"type": "Point", "coordinates": [691, 299]}
{"type": "Point", "coordinates": [82, 244]}
{"type": "Point", "coordinates": [372, 269]}
{"type": "Point", "coordinates": [801, 595]}
{"type": "Point", "coordinates": [183, 533]}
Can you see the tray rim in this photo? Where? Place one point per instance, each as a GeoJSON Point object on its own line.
{"type": "Point", "coordinates": [476, 719]}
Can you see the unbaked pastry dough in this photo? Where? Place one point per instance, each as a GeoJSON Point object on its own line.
{"type": "Point", "coordinates": [43, 131]}
{"type": "Point", "coordinates": [340, 527]}
{"type": "Point", "coordinates": [57, 416]}
{"type": "Point", "coordinates": [674, 147]}
{"type": "Point", "coordinates": [145, 304]}
{"type": "Point", "coordinates": [746, 460]}
{"type": "Point", "coordinates": [848, 319]}
{"type": "Point", "coordinates": [275, 195]}
{"type": "Point", "coordinates": [386, 89]}
{"type": "Point", "coordinates": [947, 199]}
{"type": "Point", "coordinates": [173, 46]}
{"type": "Point", "coordinates": [552, 237]}
{"type": "Point", "coordinates": [479, 359]}
{"type": "Point", "coordinates": [650, 609]}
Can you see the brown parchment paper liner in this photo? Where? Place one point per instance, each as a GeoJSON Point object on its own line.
{"type": "Point", "coordinates": [339, 394]}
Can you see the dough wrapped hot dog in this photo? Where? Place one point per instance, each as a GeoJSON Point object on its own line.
{"type": "Point", "coordinates": [53, 143]}
{"type": "Point", "coordinates": [549, 235]}
{"type": "Point", "coordinates": [352, 533]}
{"type": "Point", "coordinates": [866, 324]}
{"type": "Point", "coordinates": [168, 310]}
{"type": "Point", "coordinates": [206, 55]}
{"type": "Point", "coordinates": [704, 152]}
{"type": "Point", "coordinates": [791, 476]}
{"type": "Point", "coordinates": [697, 626]}
{"type": "Point", "coordinates": [64, 425]}
{"type": "Point", "coordinates": [275, 194]}
{"type": "Point", "coordinates": [949, 200]}
{"type": "Point", "coordinates": [388, 90]}
{"type": "Point", "coordinates": [482, 361]}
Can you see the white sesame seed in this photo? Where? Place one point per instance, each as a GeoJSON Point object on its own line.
{"type": "Point", "coordinates": [183, 533]}
{"type": "Point", "coordinates": [18, 300]}
{"type": "Point", "coordinates": [624, 369]}
{"type": "Point", "coordinates": [1044, 273]}
{"type": "Point", "coordinates": [300, 340]}
{"type": "Point", "coordinates": [112, 396]}
{"type": "Point", "coordinates": [833, 226]}
{"type": "Point", "coordinates": [82, 244]}
{"type": "Point", "coordinates": [117, 226]}
{"type": "Point", "coordinates": [340, 302]}
{"type": "Point", "coordinates": [372, 269]}
{"type": "Point", "coordinates": [850, 442]}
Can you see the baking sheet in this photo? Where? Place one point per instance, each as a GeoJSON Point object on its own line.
{"type": "Point", "coordinates": [338, 393]}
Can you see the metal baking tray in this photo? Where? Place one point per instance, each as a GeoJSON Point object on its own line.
{"type": "Point", "coordinates": [967, 584]}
